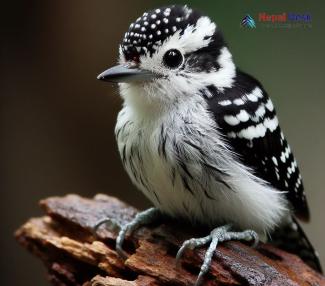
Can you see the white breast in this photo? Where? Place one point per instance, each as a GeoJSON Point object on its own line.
{"type": "Point", "coordinates": [179, 161]}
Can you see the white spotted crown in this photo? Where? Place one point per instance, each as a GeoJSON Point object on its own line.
{"type": "Point", "coordinates": [151, 29]}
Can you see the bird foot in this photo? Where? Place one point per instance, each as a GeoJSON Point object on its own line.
{"type": "Point", "coordinates": [217, 235]}
{"type": "Point", "coordinates": [142, 218]}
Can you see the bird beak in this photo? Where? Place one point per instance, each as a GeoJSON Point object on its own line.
{"type": "Point", "coordinates": [126, 73]}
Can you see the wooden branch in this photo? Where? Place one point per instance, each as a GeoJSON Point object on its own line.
{"type": "Point", "coordinates": [64, 241]}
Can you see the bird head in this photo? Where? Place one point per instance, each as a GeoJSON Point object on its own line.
{"type": "Point", "coordinates": [169, 54]}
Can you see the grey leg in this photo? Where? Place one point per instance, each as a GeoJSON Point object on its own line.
{"type": "Point", "coordinates": [217, 235]}
{"type": "Point", "coordinates": [142, 218]}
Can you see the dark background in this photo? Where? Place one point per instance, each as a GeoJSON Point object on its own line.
{"type": "Point", "coordinates": [57, 120]}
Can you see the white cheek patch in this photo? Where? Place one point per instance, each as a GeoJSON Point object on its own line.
{"type": "Point", "coordinates": [187, 82]}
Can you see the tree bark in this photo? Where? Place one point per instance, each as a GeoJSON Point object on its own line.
{"type": "Point", "coordinates": [73, 255]}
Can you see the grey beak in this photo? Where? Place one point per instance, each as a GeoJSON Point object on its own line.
{"type": "Point", "coordinates": [124, 73]}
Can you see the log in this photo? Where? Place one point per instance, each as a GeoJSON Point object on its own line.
{"type": "Point", "coordinates": [73, 255]}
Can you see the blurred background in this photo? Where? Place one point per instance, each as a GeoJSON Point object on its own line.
{"type": "Point", "coordinates": [57, 120]}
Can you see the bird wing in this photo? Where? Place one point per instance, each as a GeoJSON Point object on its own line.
{"type": "Point", "coordinates": [247, 118]}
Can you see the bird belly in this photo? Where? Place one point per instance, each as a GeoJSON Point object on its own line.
{"type": "Point", "coordinates": [202, 184]}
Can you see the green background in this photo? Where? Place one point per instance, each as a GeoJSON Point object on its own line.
{"type": "Point", "coordinates": [57, 120]}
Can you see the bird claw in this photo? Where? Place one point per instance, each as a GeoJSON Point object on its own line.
{"type": "Point", "coordinates": [217, 235]}
{"type": "Point", "coordinates": [106, 221]}
{"type": "Point", "coordinates": [141, 218]}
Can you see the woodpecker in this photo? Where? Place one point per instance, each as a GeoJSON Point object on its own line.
{"type": "Point", "coordinates": [201, 139]}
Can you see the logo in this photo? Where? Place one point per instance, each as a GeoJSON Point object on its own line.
{"type": "Point", "coordinates": [286, 20]}
{"type": "Point", "coordinates": [248, 22]}
{"type": "Point", "coordinates": [284, 17]}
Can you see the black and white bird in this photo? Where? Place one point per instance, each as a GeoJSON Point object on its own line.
{"type": "Point", "coordinates": [201, 139]}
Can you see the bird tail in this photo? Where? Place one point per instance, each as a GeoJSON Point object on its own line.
{"type": "Point", "coordinates": [291, 238]}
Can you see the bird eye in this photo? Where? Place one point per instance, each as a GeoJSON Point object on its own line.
{"type": "Point", "coordinates": [173, 58]}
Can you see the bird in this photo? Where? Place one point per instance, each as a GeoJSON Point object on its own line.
{"type": "Point", "coordinates": [201, 140]}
